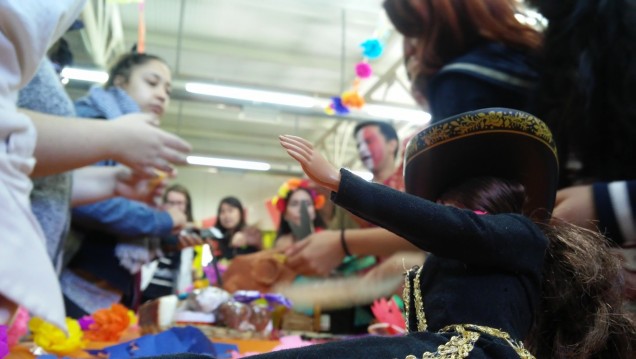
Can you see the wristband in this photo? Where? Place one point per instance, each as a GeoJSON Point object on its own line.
{"type": "Point", "coordinates": [344, 243]}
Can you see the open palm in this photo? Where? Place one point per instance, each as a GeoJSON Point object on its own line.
{"type": "Point", "coordinates": [313, 163]}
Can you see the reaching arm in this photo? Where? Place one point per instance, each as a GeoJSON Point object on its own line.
{"type": "Point", "coordinates": [95, 183]}
{"type": "Point", "coordinates": [322, 252]}
{"type": "Point", "coordinates": [608, 207]}
{"type": "Point", "coordinates": [124, 217]}
{"type": "Point", "coordinates": [506, 240]}
{"type": "Point", "coordinates": [64, 144]}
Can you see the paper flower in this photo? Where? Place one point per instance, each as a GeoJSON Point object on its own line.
{"type": "Point", "coordinates": [352, 99]}
{"type": "Point", "coordinates": [372, 48]}
{"type": "Point", "coordinates": [109, 324]}
{"type": "Point", "coordinates": [19, 327]}
{"type": "Point", "coordinates": [53, 340]}
{"type": "Point", "coordinates": [280, 201]}
{"type": "Point", "coordinates": [363, 70]}
{"type": "Point", "coordinates": [338, 106]}
{"type": "Point", "coordinates": [4, 346]}
{"type": "Point", "coordinates": [85, 322]}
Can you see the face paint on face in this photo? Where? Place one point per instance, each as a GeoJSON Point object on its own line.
{"type": "Point", "coordinates": [371, 147]}
{"type": "Point", "coordinates": [292, 213]}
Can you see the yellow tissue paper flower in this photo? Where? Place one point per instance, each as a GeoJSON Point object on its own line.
{"type": "Point", "coordinates": [53, 340]}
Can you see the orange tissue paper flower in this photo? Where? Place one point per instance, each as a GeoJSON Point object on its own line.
{"type": "Point", "coordinates": [109, 324]}
{"type": "Point", "coordinates": [352, 99]}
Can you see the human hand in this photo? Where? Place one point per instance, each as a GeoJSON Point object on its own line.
{"type": "Point", "coordinates": [179, 219]}
{"type": "Point", "coordinates": [190, 237]}
{"type": "Point", "coordinates": [313, 163]}
{"type": "Point", "coordinates": [318, 254]}
{"type": "Point", "coordinates": [144, 147]}
{"type": "Point", "coordinates": [576, 205]}
{"type": "Point", "coordinates": [253, 236]}
{"type": "Point", "coordinates": [238, 240]}
{"type": "Point", "coordinates": [136, 186]}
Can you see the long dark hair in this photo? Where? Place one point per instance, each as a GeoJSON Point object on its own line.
{"type": "Point", "coordinates": [236, 203]}
{"type": "Point", "coordinates": [581, 313]}
{"type": "Point", "coordinates": [446, 29]}
{"type": "Point", "coordinates": [283, 226]}
{"type": "Point", "coordinates": [180, 189]}
{"type": "Point", "coordinates": [125, 64]}
{"type": "Point", "coordinates": [587, 86]}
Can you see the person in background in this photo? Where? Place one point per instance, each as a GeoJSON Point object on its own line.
{"type": "Point", "coordinates": [53, 195]}
{"type": "Point", "coordinates": [238, 238]}
{"type": "Point", "coordinates": [322, 252]}
{"type": "Point", "coordinates": [292, 196]}
{"type": "Point", "coordinates": [171, 273]}
{"type": "Point", "coordinates": [586, 96]}
{"type": "Point", "coordinates": [119, 235]}
{"type": "Point", "coordinates": [465, 55]}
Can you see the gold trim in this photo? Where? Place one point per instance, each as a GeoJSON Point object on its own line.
{"type": "Point", "coordinates": [406, 295]}
{"type": "Point", "coordinates": [419, 302]}
{"type": "Point", "coordinates": [461, 344]}
{"type": "Point", "coordinates": [480, 122]}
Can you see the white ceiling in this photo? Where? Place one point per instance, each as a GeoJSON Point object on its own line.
{"type": "Point", "coordinates": [306, 47]}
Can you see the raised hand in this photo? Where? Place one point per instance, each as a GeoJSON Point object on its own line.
{"type": "Point", "coordinates": [313, 163]}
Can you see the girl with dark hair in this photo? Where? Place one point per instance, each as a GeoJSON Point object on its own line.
{"type": "Point", "coordinates": [295, 197]}
{"type": "Point", "coordinates": [497, 275]}
{"type": "Point", "coordinates": [462, 55]}
{"type": "Point", "coordinates": [171, 273]}
{"type": "Point", "coordinates": [120, 235]}
{"type": "Point", "coordinates": [238, 238]}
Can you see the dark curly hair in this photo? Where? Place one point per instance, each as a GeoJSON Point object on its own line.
{"type": "Point", "coordinates": [581, 313]}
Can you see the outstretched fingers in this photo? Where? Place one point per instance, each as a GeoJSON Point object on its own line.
{"type": "Point", "coordinates": [298, 148]}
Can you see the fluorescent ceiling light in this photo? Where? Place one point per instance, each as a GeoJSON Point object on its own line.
{"type": "Point", "coordinates": [227, 163]}
{"type": "Point", "coordinates": [245, 94]}
{"type": "Point", "coordinates": [418, 117]}
{"type": "Point", "coordinates": [84, 75]}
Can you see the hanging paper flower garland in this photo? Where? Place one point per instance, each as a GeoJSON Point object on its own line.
{"type": "Point", "coordinates": [141, 22]}
{"type": "Point", "coordinates": [351, 99]}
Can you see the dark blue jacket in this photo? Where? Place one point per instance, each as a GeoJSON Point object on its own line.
{"type": "Point", "coordinates": [492, 75]}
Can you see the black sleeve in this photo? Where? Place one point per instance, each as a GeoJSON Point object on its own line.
{"type": "Point", "coordinates": [509, 241]}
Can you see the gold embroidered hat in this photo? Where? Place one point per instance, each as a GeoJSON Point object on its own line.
{"type": "Point", "coordinates": [496, 142]}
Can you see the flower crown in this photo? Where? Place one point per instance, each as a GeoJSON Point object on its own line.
{"type": "Point", "coordinates": [280, 200]}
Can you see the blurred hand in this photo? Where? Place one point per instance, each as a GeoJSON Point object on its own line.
{"type": "Point", "coordinates": [238, 240]}
{"type": "Point", "coordinates": [179, 220]}
{"type": "Point", "coordinates": [137, 186]}
{"type": "Point", "coordinates": [576, 205]}
{"type": "Point", "coordinates": [189, 238]}
{"type": "Point", "coordinates": [253, 236]}
{"type": "Point", "coordinates": [318, 254]}
{"type": "Point", "coordinates": [144, 147]}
